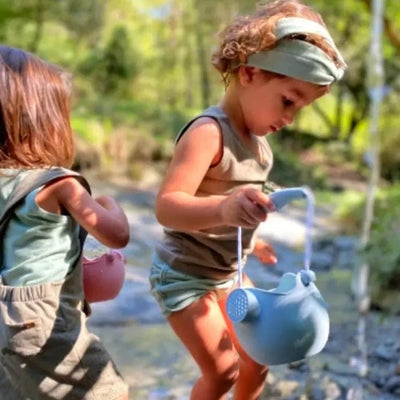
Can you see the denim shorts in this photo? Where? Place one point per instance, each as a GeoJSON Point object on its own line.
{"type": "Point", "coordinates": [175, 290]}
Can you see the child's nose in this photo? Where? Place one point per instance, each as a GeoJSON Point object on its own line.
{"type": "Point", "coordinates": [288, 119]}
{"type": "Point", "coordinates": [289, 116]}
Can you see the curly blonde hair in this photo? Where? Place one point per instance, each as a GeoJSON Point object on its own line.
{"type": "Point", "coordinates": [256, 32]}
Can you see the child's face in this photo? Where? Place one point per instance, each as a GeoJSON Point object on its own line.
{"type": "Point", "coordinates": [270, 101]}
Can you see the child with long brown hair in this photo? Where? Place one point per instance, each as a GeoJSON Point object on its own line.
{"type": "Point", "coordinates": [274, 62]}
{"type": "Point", "coordinates": [47, 351]}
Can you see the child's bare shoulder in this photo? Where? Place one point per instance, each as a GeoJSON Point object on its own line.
{"type": "Point", "coordinates": [66, 187]}
{"type": "Point", "coordinates": [206, 127]}
{"type": "Point", "coordinates": [69, 182]}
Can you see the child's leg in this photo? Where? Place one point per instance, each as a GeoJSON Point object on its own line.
{"type": "Point", "coordinates": [252, 375]}
{"type": "Point", "coordinates": [202, 329]}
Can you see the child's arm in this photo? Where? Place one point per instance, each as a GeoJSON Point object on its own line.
{"type": "Point", "coordinates": [102, 217]}
{"type": "Point", "coordinates": [177, 206]}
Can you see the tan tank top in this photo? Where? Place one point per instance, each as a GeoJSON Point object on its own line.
{"type": "Point", "coordinates": [212, 252]}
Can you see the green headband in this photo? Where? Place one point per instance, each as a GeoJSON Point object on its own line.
{"type": "Point", "coordinates": [298, 58]}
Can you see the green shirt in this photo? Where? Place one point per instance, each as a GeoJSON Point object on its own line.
{"type": "Point", "coordinates": [38, 246]}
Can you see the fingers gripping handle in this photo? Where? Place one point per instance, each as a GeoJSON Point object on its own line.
{"type": "Point", "coordinates": [282, 197]}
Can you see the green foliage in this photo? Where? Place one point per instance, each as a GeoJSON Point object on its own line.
{"type": "Point", "coordinates": [117, 61]}
{"type": "Point", "coordinates": [382, 252]}
{"type": "Point", "coordinates": [90, 130]}
{"type": "Point", "coordinates": [349, 211]}
{"type": "Point", "coordinates": [152, 59]}
{"type": "Point", "coordinates": [390, 143]}
{"type": "Point", "coordinates": [83, 19]}
{"type": "Point", "coordinates": [114, 66]}
{"type": "Point", "coordinates": [289, 171]}
{"type": "Point", "coordinates": [158, 121]}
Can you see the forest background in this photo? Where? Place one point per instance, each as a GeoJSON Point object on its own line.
{"type": "Point", "coordinates": [142, 68]}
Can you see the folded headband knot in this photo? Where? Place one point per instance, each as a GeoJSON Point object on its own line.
{"type": "Point", "coordinates": [297, 58]}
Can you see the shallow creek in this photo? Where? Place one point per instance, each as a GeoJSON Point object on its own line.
{"type": "Point", "coordinates": [156, 365]}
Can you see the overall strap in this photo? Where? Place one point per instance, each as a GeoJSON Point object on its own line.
{"type": "Point", "coordinates": [32, 181]}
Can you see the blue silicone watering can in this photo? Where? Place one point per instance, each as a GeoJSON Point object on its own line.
{"type": "Point", "coordinates": [287, 323]}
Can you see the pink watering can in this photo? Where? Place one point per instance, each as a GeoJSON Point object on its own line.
{"type": "Point", "coordinates": [103, 276]}
{"type": "Point", "coordinates": [289, 322]}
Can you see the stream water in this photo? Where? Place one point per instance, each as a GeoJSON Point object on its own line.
{"type": "Point", "coordinates": [156, 365]}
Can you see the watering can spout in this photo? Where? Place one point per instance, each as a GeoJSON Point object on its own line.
{"type": "Point", "coordinates": [242, 306]}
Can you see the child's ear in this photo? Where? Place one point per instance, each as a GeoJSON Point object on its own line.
{"type": "Point", "coordinates": [246, 74]}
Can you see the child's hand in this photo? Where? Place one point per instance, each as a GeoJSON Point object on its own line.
{"type": "Point", "coordinates": [264, 252]}
{"type": "Point", "coordinates": [245, 207]}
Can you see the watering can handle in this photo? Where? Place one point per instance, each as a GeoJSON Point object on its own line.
{"type": "Point", "coordinates": [282, 197]}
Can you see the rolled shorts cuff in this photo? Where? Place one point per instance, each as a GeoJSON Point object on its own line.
{"type": "Point", "coordinates": [175, 290]}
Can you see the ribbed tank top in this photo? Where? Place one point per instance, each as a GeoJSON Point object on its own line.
{"type": "Point", "coordinates": [212, 252]}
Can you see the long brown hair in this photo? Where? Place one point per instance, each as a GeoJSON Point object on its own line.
{"type": "Point", "coordinates": [35, 129]}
